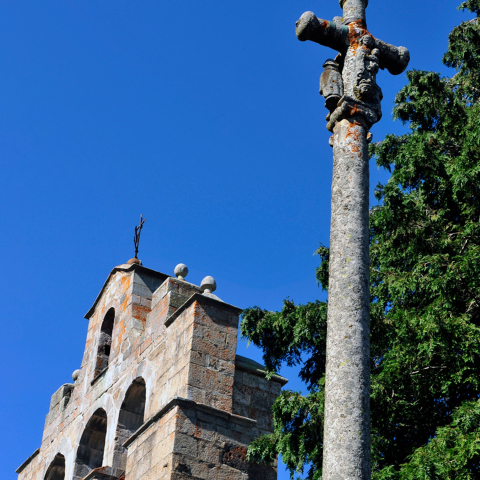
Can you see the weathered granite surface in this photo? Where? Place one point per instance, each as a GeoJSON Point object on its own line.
{"type": "Point", "coordinates": [353, 98]}
{"type": "Point", "coordinates": [172, 400]}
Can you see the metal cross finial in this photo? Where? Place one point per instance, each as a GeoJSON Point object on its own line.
{"type": "Point", "coordinates": [353, 98]}
{"type": "Point", "coordinates": [136, 238]}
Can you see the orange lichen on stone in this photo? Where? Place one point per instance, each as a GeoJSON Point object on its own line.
{"type": "Point", "coordinates": [357, 30]}
{"type": "Point", "coordinates": [125, 282]}
{"type": "Point", "coordinates": [352, 132]}
{"type": "Point", "coordinates": [140, 312]}
{"type": "Point", "coordinates": [353, 110]}
{"type": "Point", "coordinates": [121, 329]}
{"type": "Point", "coordinates": [124, 304]}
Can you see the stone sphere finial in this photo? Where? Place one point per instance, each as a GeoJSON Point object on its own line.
{"type": "Point", "coordinates": [75, 375]}
{"type": "Point", "coordinates": [181, 271]}
{"type": "Point", "coordinates": [208, 285]}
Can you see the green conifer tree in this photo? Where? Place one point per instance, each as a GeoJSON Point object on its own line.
{"type": "Point", "coordinates": [425, 294]}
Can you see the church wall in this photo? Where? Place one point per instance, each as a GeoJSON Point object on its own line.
{"type": "Point", "coordinates": [150, 454]}
{"type": "Point", "coordinates": [253, 396]}
{"type": "Point", "coordinates": [183, 345]}
{"type": "Point", "coordinates": [212, 357]}
{"type": "Point", "coordinates": [31, 467]}
{"type": "Point", "coordinates": [212, 446]}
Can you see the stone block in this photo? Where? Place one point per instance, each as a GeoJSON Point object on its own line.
{"type": "Point", "coordinates": [176, 299]}
{"type": "Point", "coordinates": [186, 445]}
{"type": "Point", "coordinates": [250, 380]}
{"type": "Point", "coordinates": [209, 379]}
{"type": "Point", "coordinates": [63, 392]}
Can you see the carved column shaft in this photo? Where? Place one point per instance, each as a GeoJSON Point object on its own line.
{"type": "Point", "coordinates": [346, 453]}
{"type": "Point", "coordinates": [353, 10]}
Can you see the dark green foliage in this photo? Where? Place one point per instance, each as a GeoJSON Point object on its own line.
{"type": "Point", "coordinates": [454, 453]}
{"type": "Point", "coordinates": [464, 53]}
{"type": "Point", "coordinates": [322, 271]}
{"type": "Point", "coordinates": [295, 335]}
{"type": "Point", "coordinates": [298, 423]}
{"type": "Point", "coordinates": [289, 334]}
{"type": "Point", "coordinates": [425, 292]}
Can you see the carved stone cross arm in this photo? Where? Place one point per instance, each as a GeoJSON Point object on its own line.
{"type": "Point", "coordinates": [335, 35]}
{"type": "Point", "coordinates": [328, 34]}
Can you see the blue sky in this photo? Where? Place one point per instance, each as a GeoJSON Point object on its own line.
{"type": "Point", "coordinates": [203, 116]}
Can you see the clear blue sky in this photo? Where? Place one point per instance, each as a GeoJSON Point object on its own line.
{"type": "Point", "coordinates": [203, 116]}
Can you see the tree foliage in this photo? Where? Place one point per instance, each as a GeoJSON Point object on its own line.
{"type": "Point", "coordinates": [425, 294]}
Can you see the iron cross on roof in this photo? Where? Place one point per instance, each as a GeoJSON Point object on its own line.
{"type": "Point", "coordinates": [138, 231]}
{"type": "Point", "coordinates": [349, 81]}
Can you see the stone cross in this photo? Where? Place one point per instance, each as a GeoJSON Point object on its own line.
{"type": "Point", "coordinates": [353, 99]}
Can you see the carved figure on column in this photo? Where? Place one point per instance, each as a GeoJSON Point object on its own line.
{"type": "Point", "coordinates": [360, 57]}
{"type": "Point", "coordinates": [353, 99]}
{"type": "Point", "coordinates": [331, 84]}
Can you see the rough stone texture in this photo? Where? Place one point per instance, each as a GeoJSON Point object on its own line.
{"type": "Point", "coordinates": [346, 454]}
{"type": "Point", "coordinates": [347, 385]}
{"type": "Point", "coordinates": [353, 10]}
{"type": "Point", "coordinates": [178, 402]}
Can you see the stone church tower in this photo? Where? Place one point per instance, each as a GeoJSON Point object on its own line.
{"type": "Point", "coordinates": [161, 393]}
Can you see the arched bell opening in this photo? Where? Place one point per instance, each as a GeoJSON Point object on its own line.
{"type": "Point", "coordinates": [105, 342]}
{"type": "Point", "coordinates": [56, 470]}
{"type": "Point", "coordinates": [130, 419]}
{"type": "Point", "coordinates": [92, 445]}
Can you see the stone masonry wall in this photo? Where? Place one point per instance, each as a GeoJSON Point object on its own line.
{"type": "Point", "coordinates": [203, 404]}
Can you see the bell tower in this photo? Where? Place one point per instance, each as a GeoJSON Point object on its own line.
{"type": "Point", "coordinates": [161, 393]}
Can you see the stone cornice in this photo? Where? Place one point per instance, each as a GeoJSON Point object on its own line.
{"type": "Point", "coordinates": [105, 473]}
{"type": "Point", "coordinates": [27, 461]}
{"type": "Point", "coordinates": [185, 403]}
{"type": "Point", "coordinates": [203, 300]}
{"type": "Point", "coordinates": [251, 366]}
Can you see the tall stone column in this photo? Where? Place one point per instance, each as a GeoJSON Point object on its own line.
{"type": "Point", "coordinates": [353, 99]}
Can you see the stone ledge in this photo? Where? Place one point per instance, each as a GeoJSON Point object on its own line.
{"type": "Point", "coordinates": [104, 473]}
{"type": "Point", "coordinates": [99, 376]}
{"type": "Point", "coordinates": [64, 391]}
{"type": "Point", "coordinates": [27, 461]}
{"type": "Point", "coordinates": [251, 366]}
{"type": "Point", "coordinates": [202, 299]}
{"type": "Point", "coordinates": [184, 402]}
